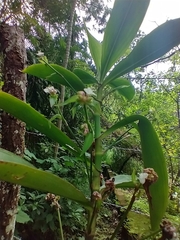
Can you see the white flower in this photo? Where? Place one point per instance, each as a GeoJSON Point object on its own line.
{"type": "Point", "coordinates": [51, 90]}
{"type": "Point", "coordinates": [143, 177]}
{"type": "Point", "coordinates": [40, 54]}
{"type": "Point", "coordinates": [89, 92]}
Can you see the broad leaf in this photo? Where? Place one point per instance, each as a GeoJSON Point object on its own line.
{"type": "Point", "coordinates": [124, 87]}
{"type": "Point", "coordinates": [56, 74]}
{"type": "Point", "coordinates": [153, 158]}
{"type": "Point", "coordinates": [122, 181]}
{"type": "Point", "coordinates": [125, 20]}
{"type": "Point", "coordinates": [95, 48]}
{"type": "Point", "coordinates": [27, 176]}
{"type": "Point", "coordinates": [151, 47]}
{"type": "Point", "coordinates": [22, 217]}
{"type": "Point", "coordinates": [85, 77]}
{"type": "Point", "coordinates": [31, 117]}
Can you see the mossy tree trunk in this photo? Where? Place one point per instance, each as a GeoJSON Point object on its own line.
{"type": "Point", "coordinates": [12, 46]}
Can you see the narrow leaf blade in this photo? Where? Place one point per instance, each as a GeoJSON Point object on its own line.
{"type": "Point", "coordinates": [56, 74]}
{"type": "Point", "coordinates": [125, 20]}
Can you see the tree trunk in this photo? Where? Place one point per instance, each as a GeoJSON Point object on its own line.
{"type": "Point", "coordinates": [13, 131]}
{"type": "Point", "coordinates": [65, 64]}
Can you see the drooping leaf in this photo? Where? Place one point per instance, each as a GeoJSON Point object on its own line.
{"type": "Point", "coordinates": [153, 158]}
{"type": "Point", "coordinates": [151, 47]}
{"type": "Point", "coordinates": [95, 48]}
{"type": "Point", "coordinates": [124, 88]}
{"type": "Point", "coordinates": [15, 172]}
{"type": "Point", "coordinates": [125, 20]}
{"type": "Point", "coordinates": [85, 77]}
{"type": "Point", "coordinates": [56, 74]}
{"type": "Point", "coordinates": [33, 118]}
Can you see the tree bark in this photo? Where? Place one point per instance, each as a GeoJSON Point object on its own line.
{"type": "Point", "coordinates": [13, 131]}
{"type": "Point", "coordinates": [65, 64]}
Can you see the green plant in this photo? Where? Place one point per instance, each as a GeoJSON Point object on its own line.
{"type": "Point", "coordinates": [125, 20]}
{"type": "Point", "coordinates": [37, 214]}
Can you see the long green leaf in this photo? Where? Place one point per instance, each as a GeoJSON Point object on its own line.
{"type": "Point", "coordinates": [31, 117]}
{"type": "Point", "coordinates": [11, 157]}
{"type": "Point", "coordinates": [151, 47]}
{"type": "Point", "coordinates": [125, 20]}
{"type": "Point", "coordinates": [14, 170]}
{"type": "Point", "coordinates": [85, 77]}
{"type": "Point", "coordinates": [124, 87]}
{"type": "Point", "coordinates": [153, 158]}
{"type": "Point", "coordinates": [95, 48]}
{"type": "Point", "coordinates": [56, 74]}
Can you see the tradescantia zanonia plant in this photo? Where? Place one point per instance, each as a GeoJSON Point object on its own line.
{"type": "Point", "coordinates": [124, 22]}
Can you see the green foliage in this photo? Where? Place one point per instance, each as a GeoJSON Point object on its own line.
{"type": "Point", "coordinates": [33, 117]}
{"type": "Point", "coordinates": [57, 74]}
{"type": "Point", "coordinates": [41, 215]}
{"type": "Point", "coordinates": [119, 32]}
{"type": "Point", "coordinates": [31, 177]}
{"type": "Point", "coordinates": [161, 40]}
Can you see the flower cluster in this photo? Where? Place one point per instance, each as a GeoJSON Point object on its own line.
{"type": "Point", "coordinates": [53, 199]}
{"type": "Point", "coordinates": [169, 231]}
{"type": "Point", "coordinates": [85, 129]}
{"type": "Point", "coordinates": [85, 96]}
{"type": "Point", "coordinates": [97, 195]}
{"type": "Point", "coordinates": [148, 176]}
{"type": "Point", "coordinates": [40, 54]}
{"type": "Point", "coordinates": [51, 90]}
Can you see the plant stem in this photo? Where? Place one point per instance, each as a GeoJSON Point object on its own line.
{"type": "Point", "coordinates": [91, 225]}
{"type": "Point", "coordinates": [60, 225]}
{"type": "Point", "coordinates": [125, 214]}
{"type": "Point", "coordinates": [95, 173]}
